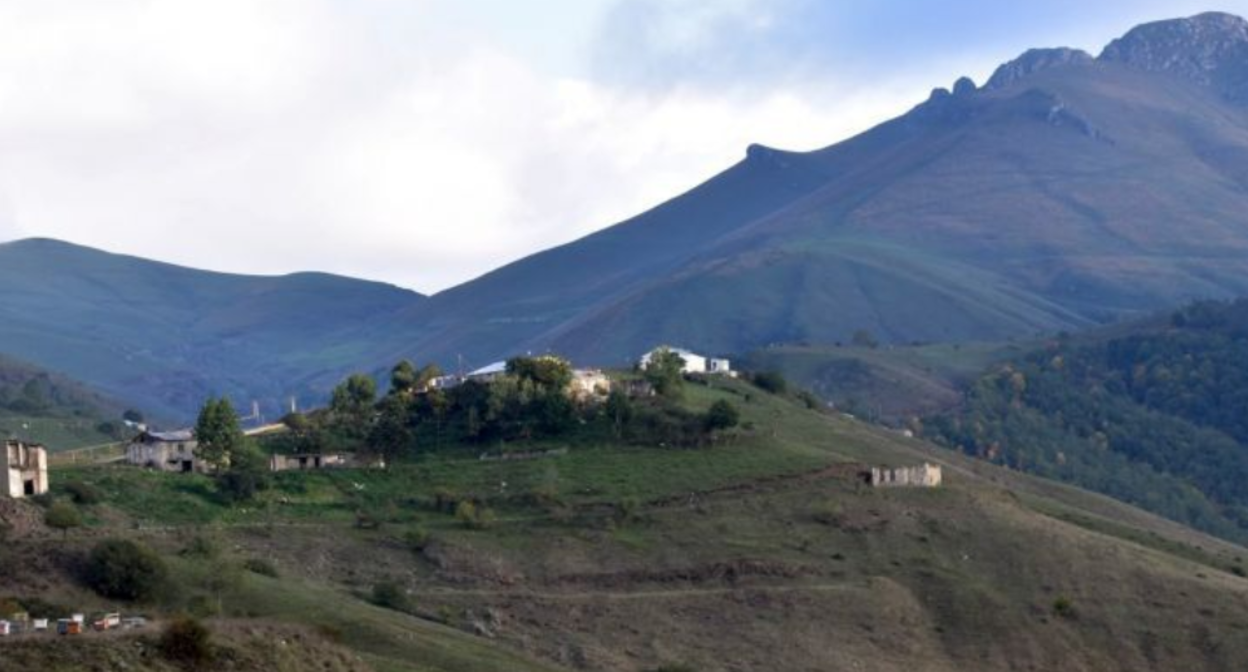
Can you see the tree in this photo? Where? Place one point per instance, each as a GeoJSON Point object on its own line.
{"type": "Point", "coordinates": [62, 516]}
{"type": "Point", "coordinates": [771, 381]}
{"type": "Point", "coordinates": [352, 404]}
{"type": "Point", "coordinates": [665, 372]}
{"type": "Point", "coordinates": [121, 569]}
{"type": "Point", "coordinates": [551, 374]}
{"type": "Point", "coordinates": [403, 377]}
{"type": "Point", "coordinates": [722, 415]}
{"type": "Point", "coordinates": [619, 411]}
{"type": "Point", "coordinates": [392, 433]}
{"type": "Point", "coordinates": [247, 474]}
{"type": "Point", "coordinates": [217, 432]}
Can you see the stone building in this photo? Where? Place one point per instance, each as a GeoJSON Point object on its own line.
{"type": "Point", "coordinates": [926, 476]}
{"type": "Point", "coordinates": [26, 469]}
{"type": "Point", "coordinates": [166, 451]}
{"type": "Point", "coordinates": [308, 461]}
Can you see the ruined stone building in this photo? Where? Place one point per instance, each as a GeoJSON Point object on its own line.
{"type": "Point", "coordinates": [26, 469]}
{"type": "Point", "coordinates": [166, 451]}
{"type": "Point", "coordinates": [926, 476]}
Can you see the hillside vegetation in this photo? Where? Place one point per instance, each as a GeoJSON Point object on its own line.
{"type": "Point", "coordinates": [1153, 414]}
{"type": "Point", "coordinates": [39, 406]}
{"type": "Point", "coordinates": [759, 550]}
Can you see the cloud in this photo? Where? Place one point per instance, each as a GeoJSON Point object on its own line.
{"type": "Point", "coordinates": [425, 142]}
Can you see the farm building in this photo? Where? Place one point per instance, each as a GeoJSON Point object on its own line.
{"type": "Point", "coordinates": [166, 451]}
{"type": "Point", "coordinates": [926, 476]}
{"type": "Point", "coordinates": [313, 461]}
{"type": "Point", "coordinates": [26, 469]}
{"type": "Point", "coordinates": [694, 363]}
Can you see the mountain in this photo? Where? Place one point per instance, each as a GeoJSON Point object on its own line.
{"type": "Point", "coordinates": [164, 337]}
{"type": "Point", "coordinates": [1069, 190]}
{"type": "Point", "coordinates": [1150, 412]}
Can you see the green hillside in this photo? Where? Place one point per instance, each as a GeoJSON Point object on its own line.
{"type": "Point", "coordinates": [39, 406]}
{"type": "Point", "coordinates": [1151, 413]}
{"type": "Point", "coordinates": [163, 337]}
{"type": "Point", "coordinates": [884, 383]}
{"type": "Point", "coordinates": [760, 549]}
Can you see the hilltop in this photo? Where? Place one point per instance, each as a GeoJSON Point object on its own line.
{"type": "Point", "coordinates": [164, 337]}
{"type": "Point", "coordinates": [762, 549]}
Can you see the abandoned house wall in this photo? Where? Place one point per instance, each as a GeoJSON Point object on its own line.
{"type": "Point", "coordinates": [26, 470]}
{"type": "Point", "coordinates": [926, 476]}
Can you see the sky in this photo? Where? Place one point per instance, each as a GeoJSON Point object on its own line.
{"type": "Point", "coordinates": [425, 142]}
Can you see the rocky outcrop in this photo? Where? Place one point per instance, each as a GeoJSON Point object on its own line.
{"type": "Point", "coordinates": [1033, 61]}
{"type": "Point", "coordinates": [1209, 49]}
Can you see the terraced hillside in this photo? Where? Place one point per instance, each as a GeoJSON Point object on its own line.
{"type": "Point", "coordinates": [762, 551]}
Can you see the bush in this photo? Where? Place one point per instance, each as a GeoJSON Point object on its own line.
{"type": "Point", "coordinates": [771, 381]}
{"type": "Point", "coordinates": [722, 415]}
{"type": "Point", "coordinates": [828, 513]}
{"type": "Point", "coordinates": [186, 640]}
{"type": "Point", "coordinates": [62, 516]}
{"type": "Point", "coordinates": [1063, 607]}
{"type": "Point", "coordinates": [123, 570]}
{"type": "Point", "coordinates": [84, 493]}
{"type": "Point", "coordinates": [417, 538]}
{"type": "Point", "coordinates": [390, 595]}
{"type": "Point", "coordinates": [473, 517]}
{"type": "Point", "coordinates": [261, 566]}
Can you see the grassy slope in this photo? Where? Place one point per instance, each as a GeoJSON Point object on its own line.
{"type": "Point", "coordinates": [890, 383]}
{"type": "Point", "coordinates": [720, 564]}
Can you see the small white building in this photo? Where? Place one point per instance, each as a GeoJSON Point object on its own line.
{"type": "Point", "coordinates": [166, 451]}
{"type": "Point", "coordinates": [926, 476]}
{"type": "Point", "coordinates": [26, 469]}
{"type": "Point", "coordinates": [694, 363]}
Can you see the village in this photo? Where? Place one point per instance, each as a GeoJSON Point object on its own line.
{"type": "Point", "coordinates": [177, 452]}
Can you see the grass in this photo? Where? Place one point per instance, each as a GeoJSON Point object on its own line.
{"type": "Point", "coordinates": [966, 575]}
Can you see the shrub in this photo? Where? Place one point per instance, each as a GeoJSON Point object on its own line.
{"type": "Point", "coordinates": [1063, 607]}
{"type": "Point", "coordinates": [62, 516]}
{"type": "Point", "coordinates": [771, 381]}
{"type": "Point", "coordinates": [417, 538]}
{"type": "Point", "coordinates": [473, 517]}
{"type": "Point", "coordinates": [84, 493]}
{"type": "Point", "coordinates": [202, 547]}
{"type": "Point", "coordinates": [261, 566]}
{"type": "Point", "coordinates": [828, 513]}
{"type": "Point", "coordinates": [123, 570]}
{"type": "Point", "coordinates": [390, 595]}
{"type": "Point", "coordinates": [186, 640]}
{"type": "Point", "coordinates": [722, 415]}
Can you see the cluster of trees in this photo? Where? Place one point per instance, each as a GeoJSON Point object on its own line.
{"type": "Point", "coordinates": [1156, 417]}
{"type": "Point", "coordinates": [240, 469]}
{"type": "Point", "coordinates": [529, 401]}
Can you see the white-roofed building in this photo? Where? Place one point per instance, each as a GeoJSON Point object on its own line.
{"type": "Point", "coordinates": [694, 363]}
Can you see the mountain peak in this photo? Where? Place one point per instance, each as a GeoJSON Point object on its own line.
{"type": "Point", "coordinates": [1033, 61]}
{"type": "Point", "coordinates": [1209, 49]}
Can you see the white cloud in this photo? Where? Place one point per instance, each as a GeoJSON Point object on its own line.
{"type": "Point", "coordinates": [364, 138]}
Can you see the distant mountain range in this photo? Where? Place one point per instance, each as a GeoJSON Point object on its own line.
{"type": "Point", "coordinates": [1069, 190]}
{"type": "Point", "coordinates": [163, 337]}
